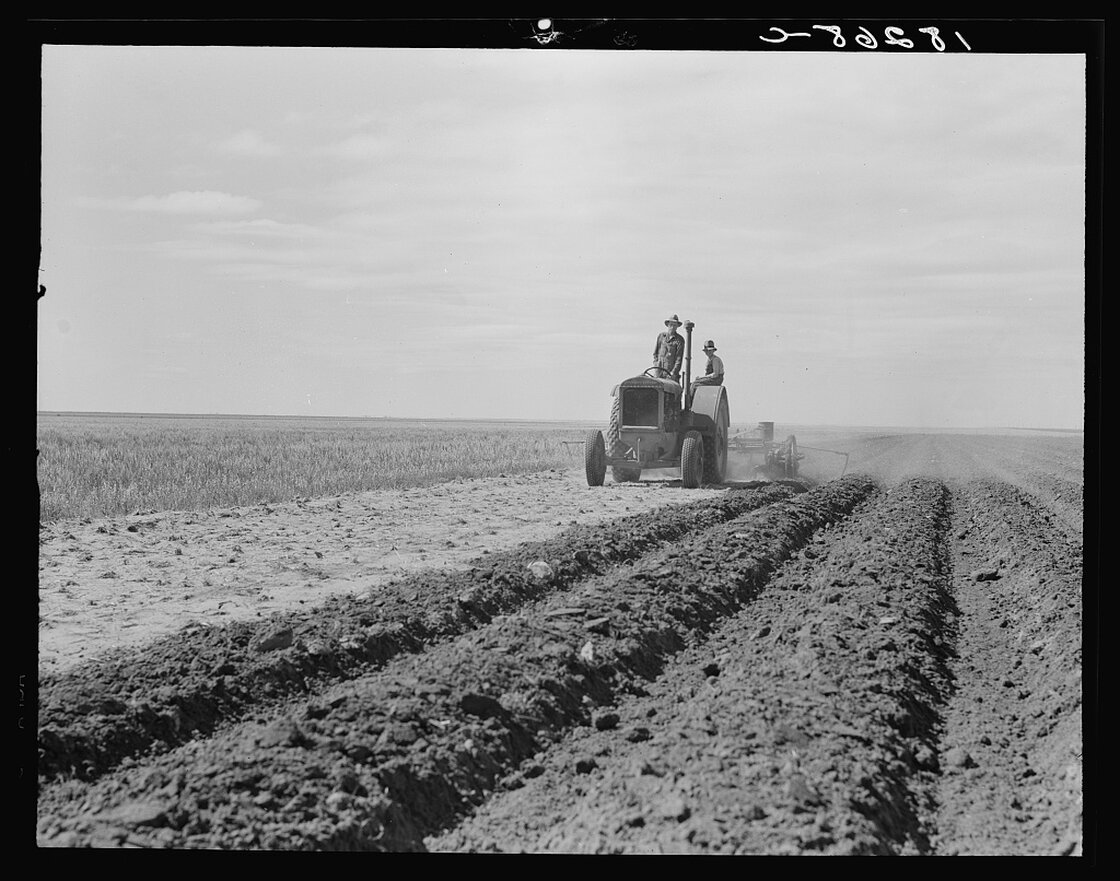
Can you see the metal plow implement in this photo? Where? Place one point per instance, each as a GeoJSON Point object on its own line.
{"type": "Point", "coordinates": [772, 459]}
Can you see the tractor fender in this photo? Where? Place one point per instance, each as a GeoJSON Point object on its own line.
{"type": "Point", "coordinates": [705, 407]}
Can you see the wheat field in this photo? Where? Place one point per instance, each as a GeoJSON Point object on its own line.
{"type": "Point", "coordinates": [92, 465]}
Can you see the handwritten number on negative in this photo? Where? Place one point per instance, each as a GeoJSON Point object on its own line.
{"type": "Point", "coordinates": [837, 38]}
{"type": "Point", "coordinates": [935, 38]}
{"type": "Point", "coordinates": [892, 36]}
{"type": "Point", "coordinates": [866, 39]}
{"type": "Point", "coordinates": [784, 35]}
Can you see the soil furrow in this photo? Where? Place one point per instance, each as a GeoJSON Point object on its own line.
{"type": "Point", "coordinates": [189, 683]}
{"type": "Point", "coordinates": [381, 761]}
{"type": "Point", "coordinates": [1013, 729]}
{"type": "Point", "coordinates": [1064, 497]}
{"type": "Point", "coordinates": [801, 726]}
{"type": "Point", "coordinates": [1058, 456]}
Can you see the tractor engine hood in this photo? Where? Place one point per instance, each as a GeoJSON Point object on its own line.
{"type": "Point", "coordinates": [666, 385]}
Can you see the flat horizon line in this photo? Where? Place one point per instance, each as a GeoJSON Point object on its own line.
{"type": "Point", "coordinates": [157, 415]}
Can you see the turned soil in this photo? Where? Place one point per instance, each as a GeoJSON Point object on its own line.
{"type": "Point", "coordinates": [116, 582]}
{"type": "Point", "coordinates": [887, 661]}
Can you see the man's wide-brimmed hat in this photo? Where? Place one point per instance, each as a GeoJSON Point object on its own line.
{"type": "Point", "coordinates": [709, 346]}
{"type": "Point", "coordinates": [672, 319]}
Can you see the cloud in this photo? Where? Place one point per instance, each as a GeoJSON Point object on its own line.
{"type": "Point", "coordinates": [248, 143]}
{"type": "Point", "coordinates": [359, 147]}
{"type": "Point", "coordinates": [183, 202]}
{"type": "Point", "coordinates": [261, 227]}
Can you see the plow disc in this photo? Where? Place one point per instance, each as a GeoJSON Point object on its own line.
{"type": "Point", "coordinates": [775, 460]}
{"type": "Point", "coordinates": [784, 459]}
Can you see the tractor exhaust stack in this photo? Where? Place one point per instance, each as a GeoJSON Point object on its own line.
{"type": "Point", "coordinates": [688, 325]}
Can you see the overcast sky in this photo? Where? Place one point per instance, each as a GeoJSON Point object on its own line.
{"type": "Point", "coordinates": [870, 239]}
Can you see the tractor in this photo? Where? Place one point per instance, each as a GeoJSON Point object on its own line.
{"type": "Point", "coordinates": [658, 423]}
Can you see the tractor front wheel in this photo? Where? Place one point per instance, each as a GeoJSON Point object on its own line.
{"type": "Point", "coordinates": [595, 458]}
{"type": "Point", "coordinates": [620, 473]}
{"type": "Point", "coordinates": [692, 460]}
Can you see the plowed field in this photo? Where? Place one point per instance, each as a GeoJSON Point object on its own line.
{"type": "Point", "coordinates": [884, 662]}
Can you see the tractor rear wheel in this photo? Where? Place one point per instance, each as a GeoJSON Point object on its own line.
{"type": "Point", "coordinates": [715, 447]}
{"type": "Point", "coordinates": [692, 460]}
{"type": "Point", "coordinates": [617, 447]}
{"type": "Point", "coordinates": [595, 458]}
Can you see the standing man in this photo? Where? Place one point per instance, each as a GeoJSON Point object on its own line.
{"type": "Point", "coordinates": [713, 373]}
{"type": "Point", "coordinates": [669, 351]}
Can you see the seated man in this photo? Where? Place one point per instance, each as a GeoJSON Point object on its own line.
{"type": "Point", "coordinates": [713, 373]}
